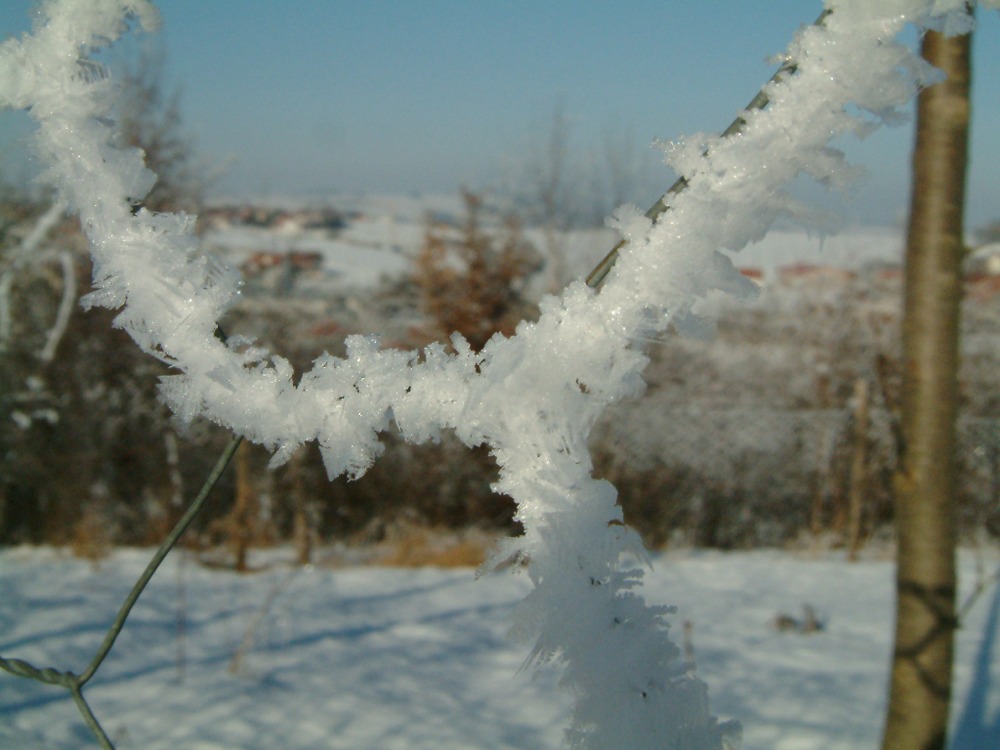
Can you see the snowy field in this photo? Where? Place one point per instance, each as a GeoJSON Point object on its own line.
{"type": "Point", "coordinates": [388, 231]}
{"type": "Point", "coordinates": [359, 658]}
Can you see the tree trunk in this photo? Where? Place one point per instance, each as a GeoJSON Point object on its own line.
{"type": "Point", "coordinates": [242, 518]}
{"type": "Point", "coordinates": [924, 484]}
{"type": "Point", "coordinates": [302, 530]}
{"type": "Point", "coordinates": [859, 468]}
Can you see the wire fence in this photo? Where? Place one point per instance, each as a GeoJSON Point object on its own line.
{"type": "Point", "coordinates": [75, 682]}
{"type": "Point", "coordinates": [745, 476]}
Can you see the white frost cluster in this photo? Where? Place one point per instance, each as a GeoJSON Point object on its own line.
{"type": "Point", "coordinates": [532, 398]}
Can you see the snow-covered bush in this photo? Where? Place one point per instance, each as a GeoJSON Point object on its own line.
{"type": "Point", "coordinates": [533, 397]}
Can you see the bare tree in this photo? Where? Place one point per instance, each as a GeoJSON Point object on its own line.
{"type": "Point", "coordinates": [618, 175]}
{"type": "Point", "coordinates": [150, 119]}
{"type": "Point", "coordinates": [925, 480]}
{"type": "Point", "coordinates": [547, 193]}
{"type": "Point", "coordinates": [546, 196]}
{"type": "Point", "coordinates": [61, 367]}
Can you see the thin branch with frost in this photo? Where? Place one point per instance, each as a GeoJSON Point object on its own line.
{"type": "Point", "coordinates": [66, 304]}
{"type": "Point", "coordinates": [532, 398]}
{"type": "Point", "coordinates": [29, 245]}
{"type": "Point", "coordinates": [21, 256]}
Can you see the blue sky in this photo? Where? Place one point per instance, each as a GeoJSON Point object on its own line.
{"type": "Point", "coordinates": [383, 96]}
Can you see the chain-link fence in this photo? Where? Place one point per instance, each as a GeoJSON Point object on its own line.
{"type": "Point", "coordinates": [745, 477]}
{"type": "Point", "coordinates": [785, 423]}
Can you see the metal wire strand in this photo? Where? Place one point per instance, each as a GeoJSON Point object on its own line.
{"type": "Point", "coordinates": [74, 682]}
{"type": "Point", "coordinates": [760, 101]}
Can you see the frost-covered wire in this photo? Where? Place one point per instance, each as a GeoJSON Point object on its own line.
{"type": "Point", "coordinates": [532, 398]}
{"type": "Point", "coordinates": [760, 100]}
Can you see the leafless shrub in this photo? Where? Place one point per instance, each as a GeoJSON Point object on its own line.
{"type": "Point", "coordinates": [473, 281]}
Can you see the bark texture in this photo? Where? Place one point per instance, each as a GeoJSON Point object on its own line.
{"type": "Point", "coordinates": [924, 484]}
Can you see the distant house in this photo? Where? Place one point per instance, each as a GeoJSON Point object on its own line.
{"type": "Point", "coordinates": [284, 220]}
{"type": "Point", "coordinates": [984, 260]}
{"type": "Point", "coordinates": [288, 223]}
{"type": "Point", "coordinates": [302, 260]}
{"type": "Point", "coordinates": [807, 274]}
{"type": "Point", "coordinates": [982, 273]}
{"type": "Point", "coordinates": [886, 276]}
{"type": "Point", "coordinates": [259, 262]}
{"type": "Point", "coordinates": [983, 287]}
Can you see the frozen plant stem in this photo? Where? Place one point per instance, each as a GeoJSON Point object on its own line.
{"type": "Point", "coordinates": [75, 682]}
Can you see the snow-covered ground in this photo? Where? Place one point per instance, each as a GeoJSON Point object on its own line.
{"type": "Point", "coordinates": [386, 233]}
{"type": "Point", "coordinates": [385, 658]}
{"type": "Point", "coordinates": [351, 260]}
{"type": "Point", "coordinates": [850, 248]}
